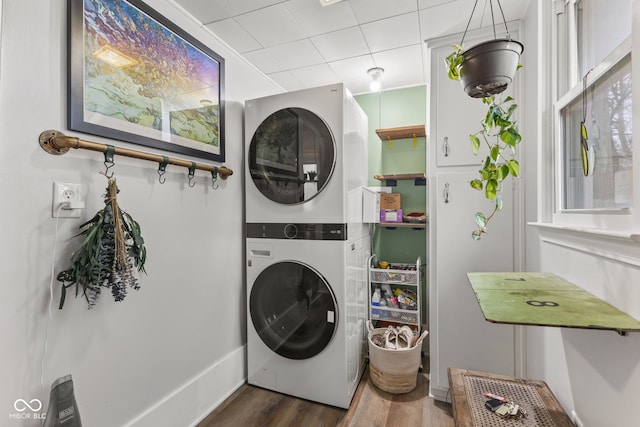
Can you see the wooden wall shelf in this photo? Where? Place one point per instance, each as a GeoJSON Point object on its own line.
{"type": "Point", "coordinates": [401, 132]}
{"type": "Point", "coordinates": [400, 176]}
{"type": "Point", "coordinates": [392, 179]}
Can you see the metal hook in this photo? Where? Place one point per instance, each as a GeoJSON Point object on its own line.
{"type": "Point", "coordinates": [108, 160]}
{"type": "Point", "coordinates": [214, 179]}
{"type": "Point", "coordinates": [162, 168]}
{"type": "Point", "coordinates": [192, 171]}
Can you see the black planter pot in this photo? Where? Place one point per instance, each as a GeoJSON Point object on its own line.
{"type": "Point", "coordinates": [489, 67]}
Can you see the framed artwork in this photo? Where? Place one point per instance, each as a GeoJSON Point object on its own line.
{"type": "Point", "coordinates": [136, 77]}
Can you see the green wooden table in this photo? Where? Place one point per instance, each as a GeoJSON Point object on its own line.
{"type": "Point", "coordinates": [544, 299]}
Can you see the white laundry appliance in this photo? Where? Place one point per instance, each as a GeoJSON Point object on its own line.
{"type": "Point", "coordinates": [306, 312]}
{"type": "Point", "coordinates": [306, 159]}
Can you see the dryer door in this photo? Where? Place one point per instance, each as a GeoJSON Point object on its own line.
{"type": "Point", "coordinates": [292, 156]}
{"type": "Point", "coordinates": [293, 310]}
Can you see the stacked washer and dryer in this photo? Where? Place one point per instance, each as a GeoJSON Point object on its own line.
{"type": "Point", "coordinates": [307, 247]}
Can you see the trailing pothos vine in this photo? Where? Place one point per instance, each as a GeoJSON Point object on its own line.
{"type": "Point", "coordinates": [500, 133]}
{"type": "Point", "coordinates": [112, 248]}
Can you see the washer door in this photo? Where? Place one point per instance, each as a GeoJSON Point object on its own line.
{"type": "Point", "coordinates": [292, 156]}
{"type": "Point", "coordinates": [293, 310]}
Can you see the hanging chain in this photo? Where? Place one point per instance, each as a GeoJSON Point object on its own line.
{"type": "Point", "coordinates": [493, 23]}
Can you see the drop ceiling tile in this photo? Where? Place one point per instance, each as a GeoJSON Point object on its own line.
{"type": "Point", "coordinates": [445, 19]}
{"type": "Point", "coordinates": [402, 67]}
{"type": "Point", "coordinates": [373, 10]}
{"type": "Point", "coordinates": [271, 26]}
{"type": "Point", "coordinates": [234, 35]}
{"type": "Point", "coordinates": [264, 61]}
{"type": "Point", "coordinates": [287, 80]}
{"type": "Point", "coordinates": [316, 75]}
{"type": "Point", "coordinates": [402, 30]}
{"type": "Point", "coordinates": [297, 54]}
{"type": "Point", "coordinates": [513, 10]}
{"type": "Point", "coordinates": [316, 19]}
{"type": "Point", "coordinates": [356, 80]}
{"type": "Point", "coordinates": [341, 44]}
{"type": "Point", "coordinates": [204, 11]}
{"type": "Point", "coordinates": [353, 68]}
{"type": "Point", "coordinates": [235, 7]}
{"type": "Point", "coordinates": [425, 4]}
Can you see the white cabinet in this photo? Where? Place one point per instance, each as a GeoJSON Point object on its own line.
{"type": "Point", "coordinates": [402, 282]}
{"type": "Point", "coordinates": [459, 335]}
{"type": "Point", "coordinates": [454, 118]}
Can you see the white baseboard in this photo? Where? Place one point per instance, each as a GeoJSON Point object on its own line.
{"type": "Point", "coordinates": [439, 393]}
{"type": "Point", "coordinates": [193, 401]}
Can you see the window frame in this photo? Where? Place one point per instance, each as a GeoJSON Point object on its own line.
{"type": "Point", "coordinates": [612, 222]}
{"type": "Point", "coordinates": [614, 219]}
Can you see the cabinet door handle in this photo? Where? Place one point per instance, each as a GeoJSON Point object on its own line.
{"type": "Point", "coordinates": [445, 146]}
{"type": "Point", "coordinates": [445, 193]}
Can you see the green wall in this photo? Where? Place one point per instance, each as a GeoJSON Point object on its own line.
{"type": "Point", "coordinates": [390, 109]}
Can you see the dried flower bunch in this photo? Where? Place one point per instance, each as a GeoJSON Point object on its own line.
{"type": "Point", "coordinates": [112, 247]}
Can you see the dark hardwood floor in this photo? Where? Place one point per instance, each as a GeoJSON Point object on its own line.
{"type": "Point", "coordinates": [252, 406]}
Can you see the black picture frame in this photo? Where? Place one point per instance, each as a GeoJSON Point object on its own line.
{"type": "Point", "coordinates": [160, 88]}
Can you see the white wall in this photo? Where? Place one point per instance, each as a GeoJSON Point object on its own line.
{"type": "Point", "coordinates": [168, 353]}
{"type": "Point", "coordinates": [595, 374]}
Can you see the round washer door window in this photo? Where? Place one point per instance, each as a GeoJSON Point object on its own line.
{"type": "Point", "coordinates": [293, 310]}
{"type": "Point", "coordinates": [292, 156]}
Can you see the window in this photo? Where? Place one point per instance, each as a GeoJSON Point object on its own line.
{"type": "Point", "coordinates": [601, 25]}
{"type": "Point", "coordinates": [593, 119]}
{"type": "Point", "coordinates": [605, 109]}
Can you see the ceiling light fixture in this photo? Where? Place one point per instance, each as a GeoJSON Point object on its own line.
{"type": "Point", "coordinates": [328, 2]}
{"type": "Point", "coordinates": [376, 77]}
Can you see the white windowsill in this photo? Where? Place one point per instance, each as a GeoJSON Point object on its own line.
{"type": "Point", "coordinates": [595, 232]}
{"type": "Point", "coordinates": [620, 246]}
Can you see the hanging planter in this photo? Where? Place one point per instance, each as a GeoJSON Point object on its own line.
{"type": "Point", "coordinates": [487, 68]}
{"type": "Point", "coordinates": [485, 71]}
{"type": "Point", "coordinates": [112, 248]}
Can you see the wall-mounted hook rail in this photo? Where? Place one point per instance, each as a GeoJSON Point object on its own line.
{"type": "Point", "coordinates": [55, 142]}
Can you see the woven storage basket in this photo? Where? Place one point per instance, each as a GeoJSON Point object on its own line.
{"type": "Point", "coordinates": [393, 371]}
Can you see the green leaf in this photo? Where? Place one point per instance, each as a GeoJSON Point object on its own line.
{"type": "Point", "coordinates": [499, 203]}
{"type": "Point", "coordinates": [475, 235]}
{"type": "Point", "coordinates": [481, 220]}
{"type": "Point", "coordinates": [503, 172]}
{"type": "Point", "coordinates": [453, 62]}
{"type": "Point", "coordinates": [486, 163]}
{"type": "Point", "coordinates": [495, 153]}
{"type": "Point", "coordinates": [502, 122]}
{"type": "Point", "coordinates": [476, 184]}
{"type": "Point", "coordinates": [488, 100]}
{"type": "Point", "coordinates": [514, 167]}
{"type": "Point", "coordinates": [491, 189]}
{"type": "Point", "coordinates": [475, 143]}
{"type": "Point", "coordinates": [510, 137]}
